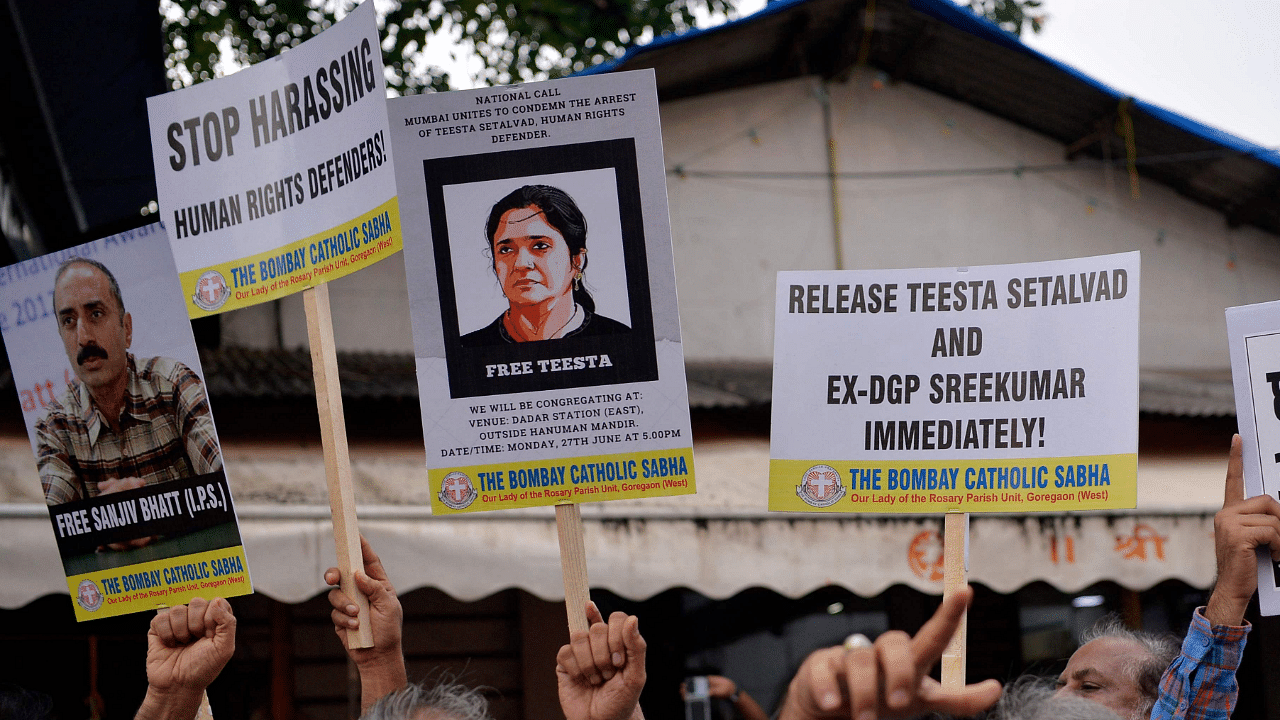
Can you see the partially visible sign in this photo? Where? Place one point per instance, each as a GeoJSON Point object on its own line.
{"type": "Point", "coordinates": [279, 177]}
{"type": "Point", "coordinates": [114, 403]}
{"type": "Point", "coordinates": [1254, 336]}
{"type": "Point", "coordinates": [542, 291]}
{"type": "Point", "coordinates": [1001, 388]}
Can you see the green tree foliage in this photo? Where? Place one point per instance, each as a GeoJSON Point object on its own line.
{"type": "Point", "coordinates": [1011, 15]}
{"type": "Point", "coordinates": [516, 40]}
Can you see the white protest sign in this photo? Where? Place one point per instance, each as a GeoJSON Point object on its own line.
{"type": "Point", "coordinates": [279, 177]}
{"type": "Point", "coordinates": [542, 291]}
{"type": "Point", "coordinates": [1005, 387]}
{"type": "Point", "coordinates": [1254, 337]}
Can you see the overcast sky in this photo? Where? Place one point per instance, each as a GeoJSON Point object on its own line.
{"type": "Point", "coordinates": [1216, 62]}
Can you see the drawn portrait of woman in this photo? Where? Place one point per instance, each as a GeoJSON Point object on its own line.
{"type": "Point", "coordinates": [537, 239]}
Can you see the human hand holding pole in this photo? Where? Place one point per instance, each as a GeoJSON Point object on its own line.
{"type": "Point", "coordinates": [1240, 530]}
{"type": "Point", "coordinates": [601, 672]}
{"type": "Point", "coordinates": [381, 666]}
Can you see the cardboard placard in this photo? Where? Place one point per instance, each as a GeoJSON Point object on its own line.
{"type": "Point", "coordinates": [1254, 336]}
{"type": "Point", "coordinates": [279, 177]}
{"type": "Point", "coordinates": [535, 392]}
{"type": "Point", "coordinates": [1008, 388]}
{"type": "Point", "coordinates": [126, 546]}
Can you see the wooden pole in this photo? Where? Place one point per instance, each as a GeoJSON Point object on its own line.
{"type": "Point", "coordinates": [337, 458]}
{"type": "Point", "coordinates": [573, 563]}
{"type": "Point", "coordinates": [955, 537]}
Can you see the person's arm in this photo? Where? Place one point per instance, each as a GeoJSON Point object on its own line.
{"type": "Point", "coordinates": [1201, 682]}
{"type": "Point", "coordinates": [722, 687]}
{"type": "Point", "coordinates": [888, 679]}
{"type": "Point", "coordinates": [193, 417]}
{"type": "Point", "coordinates": [187, 646]}
{"type": "Point", "coordinates": [381, 667]}
{"type": "Point", "coordinates": [53, 463]}
{"type": "Point", "coordinates": [601, 672]}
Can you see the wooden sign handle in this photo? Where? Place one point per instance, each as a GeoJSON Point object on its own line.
{"type": "Point", "coordinates": [955, 535]}
{"type": "Point", "coordinates": [204, 712]}
{"type": "Point", "coordinates": [573, 564]}
{"type": "Point", "coordinates": [337, 458]}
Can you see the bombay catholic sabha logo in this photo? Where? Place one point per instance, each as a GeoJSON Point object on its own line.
{"type": "Point", "coordinates": [820, 486]}
{"type": "Point", "coordinates": [87, 595]}
{"type": "Point", "coordinates": [211, 291]}
{"type": "Point", "coordinates": [456, 491]}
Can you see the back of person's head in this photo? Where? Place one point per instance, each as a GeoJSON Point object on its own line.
{"type": "Point", "coordinates": [1033, 698]}
{"type": "Point", "coordinates": [18, 703]}
{"type": "Point", "coordinates": [444, 701]}
{"type": "Point", "coordinates": [1161, 650]}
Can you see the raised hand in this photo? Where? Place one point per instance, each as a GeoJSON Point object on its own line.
{"type": "Point", "coordinates": [1239, 529]}
{"type": "Point", "coordinates": [889, 679]}
{"type": "Point", "coordinates": [601, 671]}
{"type": "Point", "coordinates": [381, 666]}
{"type": "Point", "coordinates": [187, 646]}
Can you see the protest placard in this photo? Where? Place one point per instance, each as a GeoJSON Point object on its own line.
{"type": "Point", "coordinates": [114, 403]}
{"type": "Point", "coordinates": [542, 290]}
{"type": "Point", "coordinates": [999, 388]}
{"type": "Point", "coordinates": [1254, 338]}
{"type": "Point", "coordinates": [278, 178]}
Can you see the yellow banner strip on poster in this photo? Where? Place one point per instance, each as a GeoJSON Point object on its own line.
{"type": "Point", "coordinates": [1057, 484]}
{"type": "Point", "coordinates": [340, 250]}
{"type": "Point", "coordinates": [160, 583]}
{"type": "Point", "coordinates": [531, 483]}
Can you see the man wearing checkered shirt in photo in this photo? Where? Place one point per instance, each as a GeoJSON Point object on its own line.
{"type": "Point", "coordinates": [124, 422]}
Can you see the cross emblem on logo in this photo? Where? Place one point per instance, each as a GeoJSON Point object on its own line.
{"type": "Point", "coordinates": [210, 289]}
{"type": "Point", "coordinates": [824, 483]}
{"type": "Point", "coordinates": [458, 488]}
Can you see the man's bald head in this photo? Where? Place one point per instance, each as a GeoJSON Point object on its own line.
{"type": "Point", "coordinates": [111, 279]}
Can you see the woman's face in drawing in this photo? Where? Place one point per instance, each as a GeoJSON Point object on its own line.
{"type": "Point", "coordinates": [531, 258]}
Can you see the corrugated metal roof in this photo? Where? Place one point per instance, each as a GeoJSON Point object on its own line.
{"type": "Point", "coordinates": [944, 48]}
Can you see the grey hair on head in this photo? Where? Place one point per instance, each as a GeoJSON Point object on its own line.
{"type": "Point", "coordinates": [444, 701]}
{"type": "Point", "coordinates": [1032, 698]}
{"type": "Point", "coordinates": [1161, 650]}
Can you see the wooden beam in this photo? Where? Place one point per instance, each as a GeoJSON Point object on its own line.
{"type": "Point", "coordinates": [789, 54]}
{"type": "Point", "coordinates": [1103, 131]}
{"type": "Point", "coordinates": [844, 40]}
{"type": "Point", "coordinates": [902, 63]}
{"type": "Point", "coordinates": [1248, 210]}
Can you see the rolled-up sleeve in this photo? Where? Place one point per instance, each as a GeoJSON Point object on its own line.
{"type": "Point", "coordinates": [1201, 682]}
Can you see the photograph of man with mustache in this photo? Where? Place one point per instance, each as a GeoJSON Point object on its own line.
{"type": "Point", "coordinates": [125, 421]}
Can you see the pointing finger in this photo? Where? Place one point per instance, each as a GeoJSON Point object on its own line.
{"type": "Point", "coordinates": [932, 640]}
{"type": "Point", "coordinates": [1235, 473]}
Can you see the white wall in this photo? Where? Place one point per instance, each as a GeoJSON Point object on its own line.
{"type": "Point", "coordinates": [726, 292]}
{"type": "Point", "coordinates": [732, 235]}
